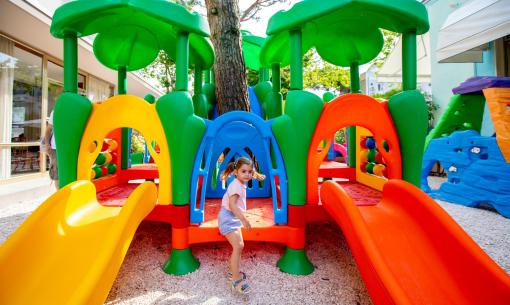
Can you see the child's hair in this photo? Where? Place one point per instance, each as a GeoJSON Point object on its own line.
{"type": "Point", "coordinates": [232, 166]}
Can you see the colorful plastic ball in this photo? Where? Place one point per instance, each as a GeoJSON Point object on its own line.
{"type": "Point", "coordinates": [100, 159]}
{"type": "Point", "coordinates": [104, 170]}
{"type": "Point", "coordinates": [108, 157]}
{"type": "Point", "coordinates": [105, 146]}
{"type": "Point", "coordinates": [370, 167]}
{"type": "Point", "coordinates": [371, 155]}
{"type": "Point", "coordinates": [98, 172]}
{"type": "Point", "coordinates": [113, 145]}
{"type": "Point", "coordinates": [363, 156]}
{"type": "Point", "coordinates": [112, 168]}
{"type": "Point", "coordinates": [114, 157]}
{"type": "Point", "coordinates": [370, 143]}
{"type": "Point", "coordinates": [379, 169]}
{"type": "Point", "coordinates": [363, 143]}
{"type": "Point", "coordinates": [379, 158]}
{"type": "Point", "coordinates": [92, 173]}
{"type": "Point", "coordinates": [363, 167]}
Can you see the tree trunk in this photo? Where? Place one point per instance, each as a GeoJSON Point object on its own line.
{"type": "Point", "coordinates": [229, 69]}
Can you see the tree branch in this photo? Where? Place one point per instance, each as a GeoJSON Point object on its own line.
{"type": "Point", "coordinates": [255, 7]}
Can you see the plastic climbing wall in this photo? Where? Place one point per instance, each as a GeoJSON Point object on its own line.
{"type": "Point", "coordinates": [477, 171]}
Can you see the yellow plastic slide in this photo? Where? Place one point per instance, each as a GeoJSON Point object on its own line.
{"type": "Point", "coordinates": [71, 248]}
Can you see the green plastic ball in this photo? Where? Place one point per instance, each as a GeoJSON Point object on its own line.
{"type": "Point", "coordinates": [371, 155]}
{"type": "Point", "coordinates": [100, 160]}
{"type": "Point", "coordinates": [370, 167]}
{"type": "Point", "coordinates": [98, 172]}
{"type": "Point", "coordinates": [112, 168]}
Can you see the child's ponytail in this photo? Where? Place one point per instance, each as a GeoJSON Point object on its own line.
{"type": "Point", "coordinates": [258, 176]}
{"type": "Point", "coordinates": [229, 170]}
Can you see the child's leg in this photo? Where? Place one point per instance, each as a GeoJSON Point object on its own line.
{"type": "Point", "coordinates": [235, 239]}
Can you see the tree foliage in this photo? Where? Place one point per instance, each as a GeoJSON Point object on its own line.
{"type": "Point", "coordinates": [390, 40]}
{"type": "Point", "coordinates": [163, 70]}
{"type": "Point", "coordinates": [319, 74]}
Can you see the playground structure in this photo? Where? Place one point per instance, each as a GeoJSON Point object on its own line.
{"type": "Point", "coordinates": [478, 167]}
{"type": "Point", "coordinates": [193, 150]}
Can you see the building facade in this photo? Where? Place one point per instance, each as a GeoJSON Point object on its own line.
{"type": "Point", "coordinates": [464, 44]}
{"type": "Point", "coordinates": [31, 79]}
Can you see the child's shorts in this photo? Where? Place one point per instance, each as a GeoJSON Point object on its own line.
{"type": "Point", "coordinates": [228, 222]}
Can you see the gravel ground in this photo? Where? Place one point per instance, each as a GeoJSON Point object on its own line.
{"type": "Point", "coordinates": [336, 279]}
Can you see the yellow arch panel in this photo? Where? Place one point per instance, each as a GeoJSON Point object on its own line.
{"type": "Point", "coordinates": [126, 111]}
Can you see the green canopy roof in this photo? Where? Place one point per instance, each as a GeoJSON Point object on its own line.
{"type": "Point", "coordinates": [342, 31]}
{"type": "Point", "coordinates": [130, 33]}
{"type": "Point", "coordinates": [251, 49]}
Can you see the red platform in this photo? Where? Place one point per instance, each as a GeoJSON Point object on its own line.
{"type": "Point", "coordinates": [259, 213]}
{"type": "Point", "coordinates": [333, 169]}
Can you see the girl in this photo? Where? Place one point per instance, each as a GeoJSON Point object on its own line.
{"type": "Point", "coordinates": [231, 216]}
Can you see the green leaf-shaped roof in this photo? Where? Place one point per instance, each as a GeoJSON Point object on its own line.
{"type": "Point", "coordinates": [131, 32]}
{"type": "Point", "coordinates": [251, 49]}
{"type": "Point", "coordinates": [342, 31]}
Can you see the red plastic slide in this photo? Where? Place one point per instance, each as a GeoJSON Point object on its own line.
{"type": "Point", "coordinates": [410, 251]}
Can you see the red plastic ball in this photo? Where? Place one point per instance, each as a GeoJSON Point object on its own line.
{"type": "Point", "coordinates": [105, 146]}
{"type": "Point", "coordinates": [363, 167]}
{"type": "Point", "coordinates": [104, 170]}
{"type": "Point", "coordinates": [114, 157]}
{"type": "Point", "coordinates": [379, 158]}
{"type": "Point", "coordinates": [363, 143]}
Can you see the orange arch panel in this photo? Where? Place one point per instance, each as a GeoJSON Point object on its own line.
{"type": "Point", "coordinates": [352, 110]}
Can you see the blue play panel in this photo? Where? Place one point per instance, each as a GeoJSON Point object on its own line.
{"type": "Point", "coordinates": [477, 171]}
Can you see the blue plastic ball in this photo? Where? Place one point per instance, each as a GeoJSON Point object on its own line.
{"type": "Point", "coordinates": [370, 143]}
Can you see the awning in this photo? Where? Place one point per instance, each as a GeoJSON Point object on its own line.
{"type": "Point", "coordinates": [391, 70]}
{"type": "Point", "coordinates": [467, 30]}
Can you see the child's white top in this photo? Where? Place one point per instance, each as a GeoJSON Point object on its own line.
{"type": "Point", "coordinates": [52, 140]}
{"type": "Point", "coordinates": [235, 187]}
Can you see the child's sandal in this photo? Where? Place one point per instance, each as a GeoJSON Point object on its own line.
{"type": "Point", "coordinates": [230, 278]}
{"type": "Point", "coordinates": [241, 285]}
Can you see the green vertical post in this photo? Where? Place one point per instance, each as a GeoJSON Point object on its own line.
{"type": "Point", "coordinates": [126, 143]}
{"type": "Point", "coordinates": [296, 60]}
{"type": "Point", "coordinates": [409, 61]}
{"type": "Point", "coordinates": [122, 81]}
{"type": "Point", "coordinates": [351, 144]}
{"type": "Point", "coordinates": [263, 75]}
{"type": "Point", "coordinates": [355, 86]}
{"type": "Point", "coordinates": [207, 78]}
{"type": "Point", "coordinates": [197, 84]}
{"type": "Point", "coordinates": [277, 83]}
{"type": "Point", "coordinates": [71, 63]}
{"type": "Point", "coordinates": [181, 62]}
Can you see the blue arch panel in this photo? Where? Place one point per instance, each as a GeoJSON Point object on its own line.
{"type": "Point", "coordinates": [237, 134]}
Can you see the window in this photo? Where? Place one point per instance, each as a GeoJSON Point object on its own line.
{"type": "Point", "coordinates": [502, 56]}
{"type": "Point", "coordinates": [21, 101]}
{"type": "Point", "coordinates": [23, 110]}
{"type": "Point", "coordinates": [55, 84]}
{"type": "Point", "coordinates": [98, 90]}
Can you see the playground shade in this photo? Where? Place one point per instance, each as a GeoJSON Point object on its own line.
{"type": "Point", "coordinates": [342, 31]}
{"type": "Point", "coordinates": [130, 33]}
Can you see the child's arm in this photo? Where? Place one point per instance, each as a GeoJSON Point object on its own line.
{"type": "Point", "coordinates": [237, 211]}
